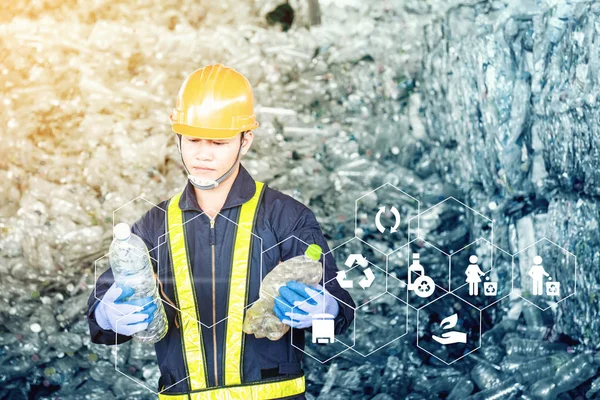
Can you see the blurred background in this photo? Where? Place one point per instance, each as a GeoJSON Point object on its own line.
{"type": "Point", "coordinates": [474, 108]}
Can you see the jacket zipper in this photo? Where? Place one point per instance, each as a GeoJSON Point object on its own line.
{"type": "Point", "coordinates": [214, 300]}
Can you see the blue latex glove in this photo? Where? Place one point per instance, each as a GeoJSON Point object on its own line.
{"type": "Point", "coordinates": [132, 315]}
{"type": "Point", "coordinates": [310, 301]}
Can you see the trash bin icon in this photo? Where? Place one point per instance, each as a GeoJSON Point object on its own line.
{"type": "Point", "coordinates": [553, 288]}
{"type": "Point", "coordinates": [490, 288]}
{"type": "Point", "coordinates": [323, 328]}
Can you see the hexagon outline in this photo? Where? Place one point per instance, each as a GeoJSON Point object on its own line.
{"type": "Point", "coordinates": [357, 238]}
{"type": "Point", "coordinates": [163, 236]}
{"type": "Point", "coordinates": [464, 355]}
{"type": "Point", "coordinates": [400, 190]}
{"type": "Point", "coordinates": [338, 341]}
{"type": "Point", "coordinates": [162, 240]}
{"type": "Point", "coordinates": [277, 244]}
{"type": "Point", "coordinates": [324, 283]}
{"type": "Point", "coordinates": [574, 277]}
{"type": "Point", "coordinates": [441, 288]}
{"type": "Point", "coordinates": [131, 201]}
{"type": "Point", "coordinates": [458, 201]}
{"type": "Point", "coordinates": [391, 341]}
{"type": "Point", "coordinates": [548, 240]}
{"type": "Point", "coordinates": [327, 360]}
{"type": "Point", "coordinates": [393, 295]}
{"type": "Point", "coordinates": [117, 353]}
{"type": "Point", "coordinates": [437, 204]}
{"type": "Point", "coordinates": [375, 248]}
{"type": "Point", "coordinates": [146, 387]}
{"type": "Point", "coordinates": [349, 240]}
{"type": "Point", "coordinates": [512, 261]}
{"type": "Point", "coordinates": [281, 241]}
{"type": "Point", "coordinates": [459, 250]}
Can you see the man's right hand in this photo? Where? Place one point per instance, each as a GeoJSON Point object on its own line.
{"type": "Point", "coordinates": [133, 316]}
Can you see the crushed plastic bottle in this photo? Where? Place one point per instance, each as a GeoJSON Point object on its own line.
{"type": "Point", "coordinates": [131, 266]}
{"type": "Point", "coordinates": [462, 389]}
{"type": "Point", "coordinates": [568, 376]}
{"type": "Point", "coordinates": [260, 319]}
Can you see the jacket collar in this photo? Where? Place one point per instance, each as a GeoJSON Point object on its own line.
{"type": "Point", "coordinates": [241, 191]}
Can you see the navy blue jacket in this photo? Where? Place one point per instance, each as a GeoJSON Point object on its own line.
{"type": "Point", "coordinates": [279, 217]}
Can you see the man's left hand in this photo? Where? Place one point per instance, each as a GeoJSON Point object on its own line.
{"type": "Point", "coordinates": [308, 302]}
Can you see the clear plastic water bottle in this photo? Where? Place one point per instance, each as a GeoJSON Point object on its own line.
{"type": "Point", "coordinates": [131, 266]}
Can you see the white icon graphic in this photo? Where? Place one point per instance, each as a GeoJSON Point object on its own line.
{"type": "Point", "coordinates": [537, 273]}
{"type": "Point", "coordinates": [452, 336]}
{"type": "Point", "coordinates": [323, 328]}
{"type": "Point", "coordinates": [366, 282]}
{"type": "Point", "coordinates": [553, 288]}
{"type": "Point", "coordinates": [341, 278]}
{"type": "Point", "coordinates": [396, 214]}
{"type": "Point", "coordinates": [490, 288]}
{"type": "Point", "coordinates": [356, 258]}
{"type": "Point", "coordinates": [473, 276]}
{"type": "Point", "coordinates": [423, 286]}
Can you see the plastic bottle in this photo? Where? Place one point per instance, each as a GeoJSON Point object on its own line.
{"type": "Point", "coordinates": [485, 376]}
{"type": "Point", "coordinates": [536, 370]}
{"type": "Point", "coordinates": [461, 390]}
{"type": "Point", "coordinates": [131, 266]}
{"type": "Point", "coordinates": [260, 319]}
{"type": "Point", "coordinates": [568, 376]}
{"type": "Point", "coordinates": [507, 389]}
{"type": "Point", "coordinates": [531, 347]}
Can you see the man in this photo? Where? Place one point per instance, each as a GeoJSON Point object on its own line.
{"type": "Point", "coordinates": [210, 264]}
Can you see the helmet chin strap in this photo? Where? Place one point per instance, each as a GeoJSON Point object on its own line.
{"type": "Point", "coordinates": [207, 184]}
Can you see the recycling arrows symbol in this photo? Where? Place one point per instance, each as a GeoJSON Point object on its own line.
{"type": "Point", "coordinates": [368, 281]}
{"type": "Point", "coordinates": [341, 278]}
{"type": "Point", "coordinates": [396, 214]}
{"type": "Point", "coordinates": [356, 258]}
{"type": "Point", "coordinates": [359, 259]}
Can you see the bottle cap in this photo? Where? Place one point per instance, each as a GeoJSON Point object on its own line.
{"type": "Point", "coordinates": [313, 252]}
{"type": "Point", "coordinates": [122, 231]}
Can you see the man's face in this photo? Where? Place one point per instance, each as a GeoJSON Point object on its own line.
{"type": "Point", "coordinates": [210, 159]}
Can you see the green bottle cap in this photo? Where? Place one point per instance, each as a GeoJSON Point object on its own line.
{"type": "Point", "coordinates": [313, 252]}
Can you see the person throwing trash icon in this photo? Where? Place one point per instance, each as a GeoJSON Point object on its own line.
{"type": "Point", "coordinates": [537, 273]}
{"type": "Point", "coordinates": [473, 276]}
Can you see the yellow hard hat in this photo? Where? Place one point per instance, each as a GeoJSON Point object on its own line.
{"type": "Point", "coordinates": [214, 102]}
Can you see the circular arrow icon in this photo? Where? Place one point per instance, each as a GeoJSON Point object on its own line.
{"type": "Point", "coordinates": [396, 214]}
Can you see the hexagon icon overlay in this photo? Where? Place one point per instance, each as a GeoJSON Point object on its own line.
{"type": "Point", "coordinates": [361, 270]}
{"type": "Point", "coordinates": [318, 351]}
{"type": "Point", "coordinates": [452, 231]}
{"type": "Point", "coordinates": [383, 215]}
{"type": "Point", "coordinates": [131, 211]}
{"type": "Point", "coordinates": [544, 273]}
{"type": "Point", "coordinates": [320, 342]}
{"type": "Point", "coordinates": [134, 379]}
{"type": "Point", "coordinates": [466, 281]}
{"type": "Point", "coordinates": [449, 329]}
{"type": "Point", "coordinates": [379, 323]}
{"type": "Point", "coordinates": [375, 325]}
{"type": "Point", "coordinates": [409, 264]}
{"type": "Point", "coordinates": [123, 214]}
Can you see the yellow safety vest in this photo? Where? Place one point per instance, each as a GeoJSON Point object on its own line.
{"type": "Point", "coordinates": [191, 332]}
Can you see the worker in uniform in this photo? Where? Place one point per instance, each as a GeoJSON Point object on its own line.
{"type": "Point", "coordinates": [211, 245]}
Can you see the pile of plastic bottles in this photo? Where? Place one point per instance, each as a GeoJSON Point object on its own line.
{"type": "Point", "coordinates": [365, 98]}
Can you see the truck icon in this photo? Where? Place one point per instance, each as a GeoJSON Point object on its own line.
{"type": "Point", "coordinates": [323, 328]}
